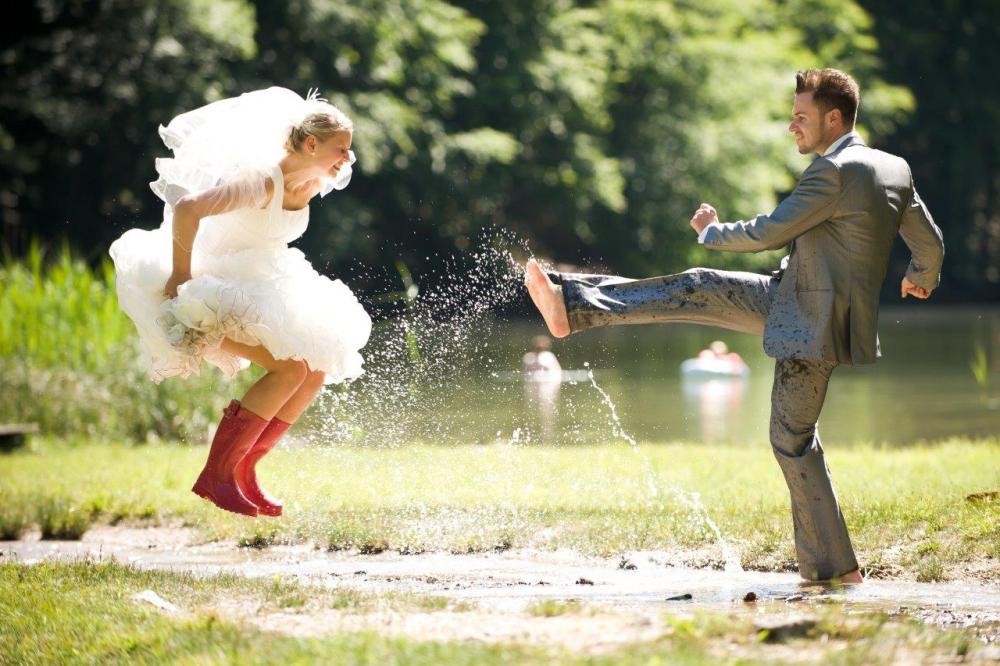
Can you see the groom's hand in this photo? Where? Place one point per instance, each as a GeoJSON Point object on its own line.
{"type": "Point", "coordinates": [910, 289]}
{"type": "Point", "coordinates": [704, 216]}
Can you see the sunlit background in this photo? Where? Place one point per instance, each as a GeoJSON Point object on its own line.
{"type": "Point", "coordinates": [582, 132]}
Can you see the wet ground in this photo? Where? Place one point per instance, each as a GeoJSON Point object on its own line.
{"type": "Point", "coordinates": [626, 599]}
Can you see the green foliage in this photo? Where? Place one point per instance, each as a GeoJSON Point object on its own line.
{"type": "Point", "coordinates": [59, 518]}
{"type": "Point", "coordinates": [980, 367]}
{"type": "Point", "coordinates": [83, 88]}
{"type": "Point", "coordinates": [946, 53]}
{"type": "Point", "coordinates": [15, 520]}
{"type": "Point", "coordinates": [230, 23]}
{"type": "Point", "coordinates": [930, 570]}
{"type": "Point", "coordinates": [69, 359]}
{"type": "Point", "coordinates": [592, 128]}
{"type": "Point", "coordinates": [554, 608]}
{"type": "Point", "coordinates": [59, 313]}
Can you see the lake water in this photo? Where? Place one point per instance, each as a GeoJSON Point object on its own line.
{"type": "Point", "coordinates": [470, 391]}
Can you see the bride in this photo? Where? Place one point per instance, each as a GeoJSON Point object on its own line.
{"type": "Point", "coordinates": [217, 282]}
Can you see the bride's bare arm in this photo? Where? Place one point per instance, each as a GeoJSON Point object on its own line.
{"type": "Point", "coordinates": [190, 209]}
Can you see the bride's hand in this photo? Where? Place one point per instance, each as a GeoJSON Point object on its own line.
{"type": "Point", "coordinates": [175, 281]}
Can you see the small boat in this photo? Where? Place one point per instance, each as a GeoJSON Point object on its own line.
{"type": "Point", "coordinates": [714, 368]}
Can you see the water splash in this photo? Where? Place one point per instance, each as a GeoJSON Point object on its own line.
{"type": "Point", "coordinates": [426, 358]}
{"type": "Point", "coordinates": [690, 499]}
{"type": "Point", "coordinates": [618, 431]}
{"type": "Point", "coordinates": [433, 376]}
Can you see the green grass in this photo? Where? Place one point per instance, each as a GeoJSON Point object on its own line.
{"type": "Point", "coordinates": [83, 612]}
{"type": "Point", "coordinates": [15, 520]}
{"type": "Point", "coordinates": [59, 518]}
{"type": "Point", "coordinates": [906, 508]}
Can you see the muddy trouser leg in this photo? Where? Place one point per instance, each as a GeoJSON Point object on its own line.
{"type": "Point", "coordinates": [740, 302]}
{"type": "Point", "coordinates": [733, 300]}
{"type": "Point", "coordinates": [822, 544]}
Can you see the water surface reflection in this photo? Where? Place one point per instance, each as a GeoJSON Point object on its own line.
{"type": "Point", "coordinates": [924, 388]}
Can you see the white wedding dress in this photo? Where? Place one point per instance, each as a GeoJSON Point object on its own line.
{"type": "Point", "coordinates": [247, 284]}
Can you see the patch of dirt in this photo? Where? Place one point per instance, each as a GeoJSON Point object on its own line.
{"type": "Point", "coordinates": [596, 633]}
{"type": "Point", "coordinates": [173, 537]}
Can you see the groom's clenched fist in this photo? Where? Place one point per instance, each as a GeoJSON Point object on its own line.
{"type": "Point", "coordinates": [704, 216]}
{"type": "Point", "coordinates": [910, 289]}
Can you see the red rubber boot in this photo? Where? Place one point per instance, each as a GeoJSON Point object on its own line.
{"type": "Point", "coordinates": [237, 432]}
{"type": "Point", "coordinates": [246, 475]}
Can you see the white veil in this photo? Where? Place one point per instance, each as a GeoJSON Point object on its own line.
{"type": "Point", "coordinates": [236, 141]}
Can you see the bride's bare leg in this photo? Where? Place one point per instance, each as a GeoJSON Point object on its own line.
{"type": "Point", "coordinates": [293, 408]}
{"type": "Point", "coordinates": [274, 396]}
{"type": "Point", "coordinates": [270, 393]}
{"type": "Point", "coordinates": [287, 388]}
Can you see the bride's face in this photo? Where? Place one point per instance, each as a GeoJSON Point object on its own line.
{"type": "Point", "coordinates": [332, 154]}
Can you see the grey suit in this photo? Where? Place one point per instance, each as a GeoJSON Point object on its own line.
{"type": "Point", "coordinates": [840, 220]}
{"type": "Point", "coordinates": [819, 310]}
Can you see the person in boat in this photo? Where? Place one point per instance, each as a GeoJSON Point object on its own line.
{"type": "Point", "coordinates": [719, 351]}
{"type": "Point", "coordinates": [540, 363]}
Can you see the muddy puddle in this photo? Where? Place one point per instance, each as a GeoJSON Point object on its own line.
{"type": "Point", "coordinates": [508, 579]}
{"type": "Point", "coordinates": [627, 594]}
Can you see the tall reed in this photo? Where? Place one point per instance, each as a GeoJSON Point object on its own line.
{"type": "Point", "coordinates": [60, 314]}
{"type": "Point", "coordinates": [69, 359]}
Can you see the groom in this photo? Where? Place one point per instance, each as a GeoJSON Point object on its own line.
{"type": "Point", "coordinates": [818, 311]}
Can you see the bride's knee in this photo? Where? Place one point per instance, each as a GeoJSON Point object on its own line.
{"type": "Point", "coordinates": [291, 371]}
{"type": "Point", "coordinates": [313, 380]}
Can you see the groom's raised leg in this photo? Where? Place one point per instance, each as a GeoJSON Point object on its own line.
{"type": "Point", "coordinates": [728, 299]}
{"type": "Point", "coordinates": [547, 297]}
{"type": "Point", "coordinates": [822, 544]}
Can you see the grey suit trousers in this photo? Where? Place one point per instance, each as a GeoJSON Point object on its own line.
{"type": "Point", "coordinates": [739, 302]}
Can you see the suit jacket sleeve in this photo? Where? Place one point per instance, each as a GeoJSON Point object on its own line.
{"type": "Point", "coordinates": [925, 241]}
{"type": "Point", "coordinates": [813, 201]}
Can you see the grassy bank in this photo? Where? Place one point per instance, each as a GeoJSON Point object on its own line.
{"type": "Point", "coordinates": [84, 612]}
{"type": "Point", "coordinates": [912, 512]}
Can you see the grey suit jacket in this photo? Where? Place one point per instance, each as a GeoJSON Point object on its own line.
{"type": "Point", "coordinates": [840, 221]}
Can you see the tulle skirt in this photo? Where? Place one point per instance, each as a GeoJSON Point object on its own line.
{"type": "Point", "coordinates": [269, 296]}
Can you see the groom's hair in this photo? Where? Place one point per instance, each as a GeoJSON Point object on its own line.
{"type": "Point", "coordinates": [831, 89]}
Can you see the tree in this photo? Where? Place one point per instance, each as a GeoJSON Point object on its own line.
{"type": "Point", "coordinates": [84, 85]}
{"type": "Point", "coordinates": [593, 128]}
{"type": "Point", "coordinates": [946, 52]}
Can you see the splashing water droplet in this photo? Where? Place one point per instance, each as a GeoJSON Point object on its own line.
{"type": "Point", "coordinates": [435, 375]}
{"type": "Point", "coordinates": [690, 499]}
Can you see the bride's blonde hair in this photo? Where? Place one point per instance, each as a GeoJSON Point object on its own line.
{"type": "Point", "coordinates": [322, 121]}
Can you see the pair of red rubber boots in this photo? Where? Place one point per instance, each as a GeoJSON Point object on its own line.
{"type": "Point", "coordinates": [229, 479]}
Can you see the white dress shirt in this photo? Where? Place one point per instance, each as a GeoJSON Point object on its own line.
{"type": "Point", "coordinates": [833, 146]}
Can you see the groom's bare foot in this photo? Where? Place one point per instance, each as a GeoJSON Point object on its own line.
{"type": "Point", "coordinates": [547, 297]}
{"type": "Point", "coordinates": [852, 578]}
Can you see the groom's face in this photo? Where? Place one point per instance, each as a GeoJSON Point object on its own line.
{"type": "Point", "coordinates": [807, 124]}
